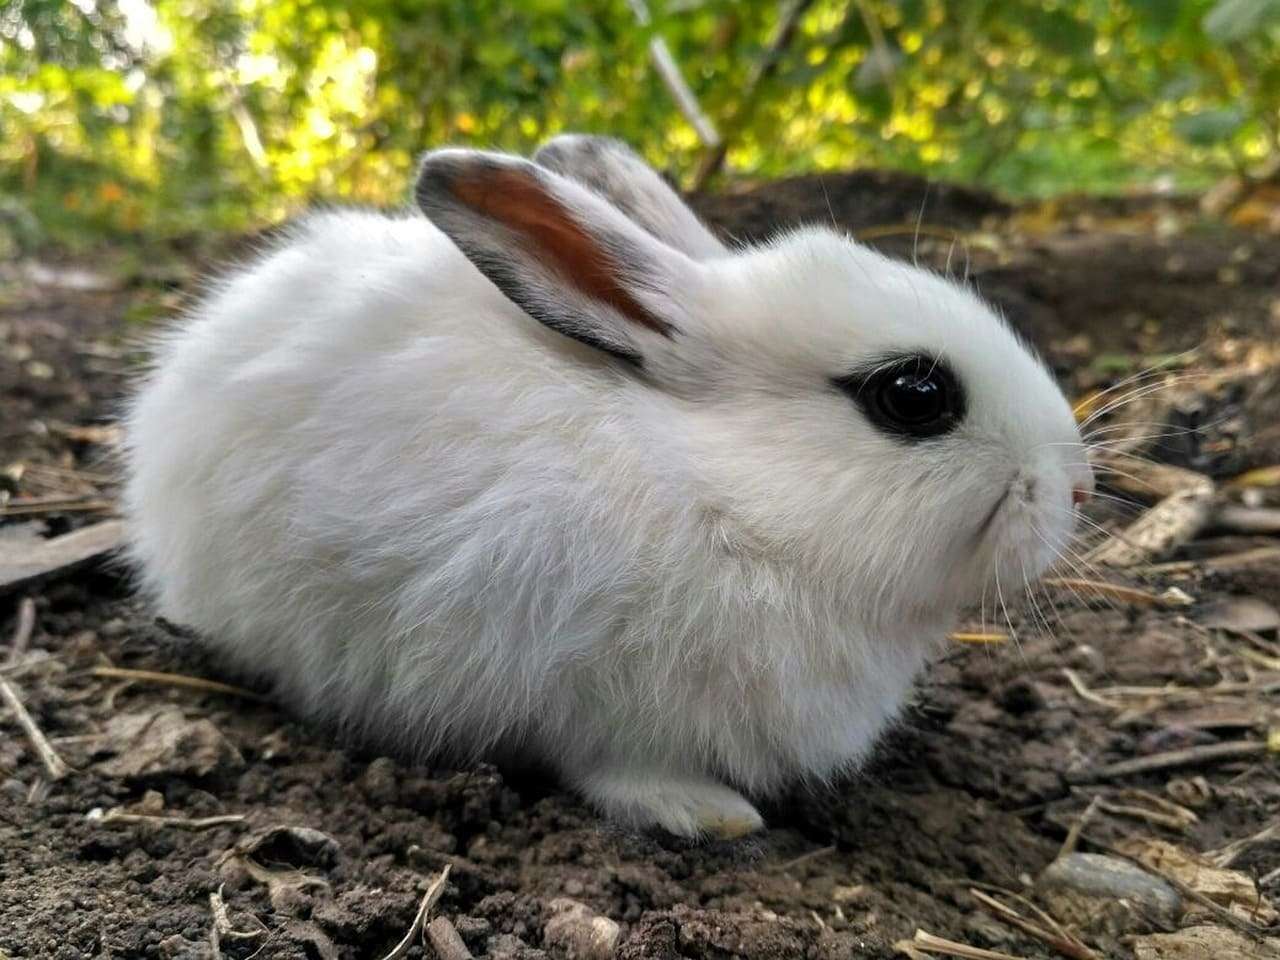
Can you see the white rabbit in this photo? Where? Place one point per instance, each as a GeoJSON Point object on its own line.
{"type": "Point", "coordinates": [519, 478]}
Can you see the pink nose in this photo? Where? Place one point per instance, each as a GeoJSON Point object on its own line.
{"type": "Point", "coordinates": [1079, 496]}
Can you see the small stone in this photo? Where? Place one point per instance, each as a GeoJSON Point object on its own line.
{"type": "Point", "coordinates": [1086, 657]}
{"type": "Point", "coordinates": [849, 894]}
{"type": "Point", "coordinates": [580, 932]}
{"type": "Point", "coordinates": [83, 644]}
{"type": "Point", "coordinates": [163, 742]}
{"type": "Point", "coordinates": [113, 627]}
{"type": "Point", "coordinates": [178, 947]}
{"type": "Point", "coordinates": [274, 746]}
{"type": "Point", "coordinates": [1108, 879]}
{"type": "Point", "coordinates": [233, 875]}
{"type": "Point", "coordinates": [379, 781]}
{"type": "Point", "coordinates": [508, 947]}
{"type": "Point", "coordinates": [289, 901]}
{"type": "Point", "coordinates": [473, 930]}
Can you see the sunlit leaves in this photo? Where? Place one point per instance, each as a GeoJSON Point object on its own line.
{"type": "Point", "coordinates": [1209, 127]}
{"type": "Point", "coordinates": [231, 113]}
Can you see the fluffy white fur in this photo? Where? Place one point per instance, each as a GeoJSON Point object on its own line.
{"type": "Point", "coordinates": [362, 472]}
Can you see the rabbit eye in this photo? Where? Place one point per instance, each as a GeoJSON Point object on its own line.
{"type": "Point", "coordinates": [913, 397]}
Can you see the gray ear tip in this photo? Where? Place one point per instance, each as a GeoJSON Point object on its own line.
{"type": "Point", "coordinates": [564, 146]}
{"type": "Point", "coordinates": [439, 171]}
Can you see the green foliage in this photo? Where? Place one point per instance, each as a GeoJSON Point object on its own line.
{"type": "Point", "coordinates": [176, 116]}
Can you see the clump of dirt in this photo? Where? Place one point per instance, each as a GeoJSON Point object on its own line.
{"type": "Point", "coordinates": [165, 840]}
{"type": "Point", "coordinates": [862, 200]}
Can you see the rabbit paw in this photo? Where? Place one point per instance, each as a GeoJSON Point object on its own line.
{"type": "Point", "coordinates": [687, 806]}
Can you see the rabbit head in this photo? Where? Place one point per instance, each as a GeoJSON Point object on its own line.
{"type": "Point", "coordinates": [872, 420]}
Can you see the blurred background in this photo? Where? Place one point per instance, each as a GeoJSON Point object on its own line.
{"type": "Point", "coordinates": [163, 118]}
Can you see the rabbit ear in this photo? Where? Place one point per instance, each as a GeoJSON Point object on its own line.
{"type": "Point", "coordinates": [617, 173]}
{"type": "Point", "coordinates": [557, 251]}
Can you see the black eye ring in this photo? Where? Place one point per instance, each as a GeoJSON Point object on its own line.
{"type": "Point", "coordinates": [914, 397]}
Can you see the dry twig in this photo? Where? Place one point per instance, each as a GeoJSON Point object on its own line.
{"type": "Point", "coordinates": [1066, 945]}
{"type": "Point", "coordinates": [275, 879]}
{"type": "Point", "coordinates": [1190, 757]}
{"type": "Point", "coordinates": [788, 20]}
{"type": "Point", "coordinates": [1227, 855]}
{"type": "Point", "coordinates": [35, 506]}
{"type": "Point", "coordinates": [429, 900]}
{"type": "Point", "coordinates": [928, 943]}
{"type": "Point", "coordinates": [117, 816]}
{"type": "Point", "coordinates": [1117, 591]}
{"type": "Point", "coordinates": [22, 631]}
{"type": "Point", "coordinates": [54, 765]}
{"type": "Point", "coordinates": [176, 680]}
{"type": "Point", "coordinates": [1049, 922]}
{"type": "Point", "coordinates": [1073, 835]}
{"type": "Point", "coordinates": [1172, 693]}
{"type": "Point", "coordinates": [1147, 479]}
{"type": "Point", "coordinates": [1172, 522]}
{"type": "Point", "coordinates": [1146, 814]}
{"type": "Point", "coordinates": [669, 72]}
{"type": "Point", "coordinates": [1083, 690]}
{"type": "Point", "coordinates": [1227, 561]}
{"type": "Point", "coordinates": [1254, 520]}
{"type": "Point", "coordinates": [222, 928]}
{"type": "Point", "coordinates": [446, 941]}
{"type": "Point", "coordinates": [804, 858]}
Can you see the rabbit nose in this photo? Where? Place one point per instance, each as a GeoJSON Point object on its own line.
{"type": "Point", "coordinates": [1079, 496]}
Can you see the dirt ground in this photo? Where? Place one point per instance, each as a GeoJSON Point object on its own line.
{"type": "Point", "coordinates": [187, 801]}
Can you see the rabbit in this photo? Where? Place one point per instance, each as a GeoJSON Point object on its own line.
{"type": "Point", "coordinates": [515, 476]}
{"type": "Point", "coordinates": [614, 171]}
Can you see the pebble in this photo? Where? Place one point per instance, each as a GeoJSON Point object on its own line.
{"type": "Point", "coordinates": [379, 781]}
{"type": "Point", "coordinates": [1109, 878]}
{"type": "Point", "coordinates": [580, 932]}
{"type": "Point", "coordinates": [113, 627]}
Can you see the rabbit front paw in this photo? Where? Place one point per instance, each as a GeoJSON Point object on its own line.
{"type": "Point", "coordinates": [687, 806]}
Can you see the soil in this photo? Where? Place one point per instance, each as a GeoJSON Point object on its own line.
{"type": "Point", "coordinates": [995, 760]}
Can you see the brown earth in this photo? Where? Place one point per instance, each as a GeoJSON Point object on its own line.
{"type": "Point", "coordinates": [998, 756]}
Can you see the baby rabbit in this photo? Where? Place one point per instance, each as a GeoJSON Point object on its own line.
{"type": "Point", "coordinates": [526, 477]}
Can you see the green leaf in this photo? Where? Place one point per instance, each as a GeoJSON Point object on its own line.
{"type": "Point", "coordinates": [1061, 33]}
{"type": "Point", "coordinates": [1210, 127]}
{"type": "Point", "coordinates": [1156, 18]}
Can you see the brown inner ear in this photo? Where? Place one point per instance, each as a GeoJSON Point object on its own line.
{"type": "Point", "coordinates": [515, 200]}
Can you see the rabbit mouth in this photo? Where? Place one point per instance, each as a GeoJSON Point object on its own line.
{"type": "Point", "coordinates": [1015, 491]}
{"type": "Point", "coordinates": [993, 515]}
